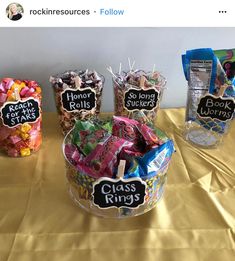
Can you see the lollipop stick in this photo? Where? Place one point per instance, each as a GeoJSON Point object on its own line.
{"type": "Point", "coordinates": [111, 71]}
{"type": "Point", "coordinates": [120, 68]}
{"type": "Point", "coordinates": [132, 66]}
{"type": "Point", "coordinates": [153, 69]}
{"type": "Point", "coordinates": [129, 62]}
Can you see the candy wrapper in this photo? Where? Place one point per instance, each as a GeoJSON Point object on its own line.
{"type": "Point", "coordinates": [203, 70]}
{"type": "Point", "coordinates": [128, 129]}
{"type": "Point", "coordinates": [154, 160]}
{"type": "Point", "coordinates": [77, 96]}
{"type": "Point", "coordinates": [145, 151]}
{"type": "Point", "coordinates": [227, 60]}
{"type": "Point", "coordinates": [20, 117]}
{"type": "Point", "coordinates": [137, 94]}
{"type": "Point", "coordinates": [210, 97]}
{"type": "Point", "coordinates": [86, 135]}
{"type": "Point", "coordinates": [99, 149]}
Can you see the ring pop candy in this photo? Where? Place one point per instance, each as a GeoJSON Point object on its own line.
{"type": "Point", "coordinates": [20, 117]}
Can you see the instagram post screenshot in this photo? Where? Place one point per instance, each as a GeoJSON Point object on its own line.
{"type": "Point", "coordinates": [117, 130]}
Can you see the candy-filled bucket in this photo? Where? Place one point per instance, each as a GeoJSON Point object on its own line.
{"type": "Point", "coordinates": [210, 103]}
{"type": "Point", "coordinates": [138, 94]}
{"type": "Point", "coordinates": [20, 117]}
{"type": "Point", "coordinates": [127, 191]}
{"type": "Point", "coordinates": [77, 96]}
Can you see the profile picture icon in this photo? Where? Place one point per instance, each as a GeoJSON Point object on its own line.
{"type": "Point", "coordinates": [14, 11]}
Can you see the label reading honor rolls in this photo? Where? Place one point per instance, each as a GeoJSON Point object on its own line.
{"type": "Point", "coordinates": [216, 107]}
{"type": "Point", "coordinates": [117, 193]}
{"type": "Point", "coordinates": [20, 112]}
{"type": "Point", "coordinates": [140, 99]}
{"type": "Point", "coordinates": [77, 100]}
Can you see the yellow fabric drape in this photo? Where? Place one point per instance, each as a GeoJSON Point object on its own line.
{"type": "Point", "coordinates": [194, 221]}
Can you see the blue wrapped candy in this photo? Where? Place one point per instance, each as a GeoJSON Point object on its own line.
{"type": "Point", "coordinates": [152, 162]}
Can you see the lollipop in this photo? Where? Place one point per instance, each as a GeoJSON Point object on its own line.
{"type": "Point", "coordinates": [137, 94]}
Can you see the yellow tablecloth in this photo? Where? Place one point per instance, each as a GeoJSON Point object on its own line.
{"type": "Point", "coordinates": [195, 220]}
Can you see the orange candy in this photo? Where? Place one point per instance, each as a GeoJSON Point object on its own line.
{"type": "Point", "coordinates": [25, 152]}
{"type": "Point", "coordinates": [38, 90]}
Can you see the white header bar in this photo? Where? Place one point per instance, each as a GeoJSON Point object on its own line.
{"type": "Point", "coordinates": [121, 13]}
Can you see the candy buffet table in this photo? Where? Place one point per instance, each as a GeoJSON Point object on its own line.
{"type": "Point", "coordinates": [195, 220]}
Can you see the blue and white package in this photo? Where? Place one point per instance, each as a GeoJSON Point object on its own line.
{"type": "Point", "coordinates": [152, 162]}
{"type": "Point", "coordinates": [205, 75]}
{"type": "Point", "coordinates": [200, 69]}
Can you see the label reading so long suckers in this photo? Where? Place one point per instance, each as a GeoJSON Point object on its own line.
{"type": "Point", "coordinates": [77, 100]}
{"type": "Point", "coordinates": [216, 107]}
{"type": "Point", "coordinates": [118, 193]}
{"type": "Point", "coordinates": [140, 99]}
{"type": "Point", "coordinates": [20, 112]}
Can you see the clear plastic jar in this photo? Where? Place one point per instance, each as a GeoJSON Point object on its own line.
{"type": "Point", "coordinates": [64, 82]}
{"type": "Point", "coordinates": [203, 132]}
{"type": "Point", "coordinates": [20, 117]}
{"type": "Point", "coordinates": [144, 115]}
{"type": "Point", "coordinates": [81, 186]}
